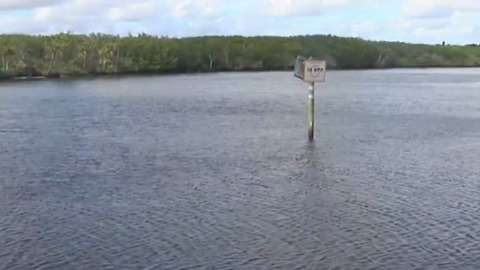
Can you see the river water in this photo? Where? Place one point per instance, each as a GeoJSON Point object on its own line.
{"type": "Point", "coordinates": [215, 172]}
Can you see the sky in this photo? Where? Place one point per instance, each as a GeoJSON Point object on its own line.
{"type": "Point", "coordinates": [418, 21]}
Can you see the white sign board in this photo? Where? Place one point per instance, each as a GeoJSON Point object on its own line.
{"type": "Point", "coordinates": [299, 70]}
{"type": "Point", "coordinates": [315, 71]}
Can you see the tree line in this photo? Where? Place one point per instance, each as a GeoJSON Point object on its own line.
{"type": "Point", "coordinates": [97, 54]}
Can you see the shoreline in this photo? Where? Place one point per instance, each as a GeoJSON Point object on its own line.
{"type": "Point", "coordinates": [140, 74]}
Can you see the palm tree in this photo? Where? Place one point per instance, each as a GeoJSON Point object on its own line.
{"type": "Point", "coordinates": [7, 51]}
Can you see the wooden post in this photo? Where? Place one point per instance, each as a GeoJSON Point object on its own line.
{"type": "Point", "coordinates": [311, 111]}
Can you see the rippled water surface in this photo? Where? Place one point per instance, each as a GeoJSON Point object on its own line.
{"type": "Point", "coordinates": [214, 172]}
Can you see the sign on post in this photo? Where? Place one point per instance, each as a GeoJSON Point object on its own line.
{"type": "Point", "coordinates": [315, 71]}
{"type": "Point", "coordinates": [310, 71]}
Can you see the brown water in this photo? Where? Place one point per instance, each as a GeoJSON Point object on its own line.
{"type": "Point", "coordinates": [214, 172]}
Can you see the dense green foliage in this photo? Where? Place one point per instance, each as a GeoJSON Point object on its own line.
{"type": "Point", "coordinates": [69, 54]}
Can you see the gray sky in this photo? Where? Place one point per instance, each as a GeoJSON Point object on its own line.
{"type": "Point", "coordinates": [430, 21]}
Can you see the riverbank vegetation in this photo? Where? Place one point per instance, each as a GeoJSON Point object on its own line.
{"type": "Point", "coordinates": [100, 54]}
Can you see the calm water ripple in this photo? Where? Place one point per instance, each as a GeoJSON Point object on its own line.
{"type": "Point", "coordinates": [214, 172]}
